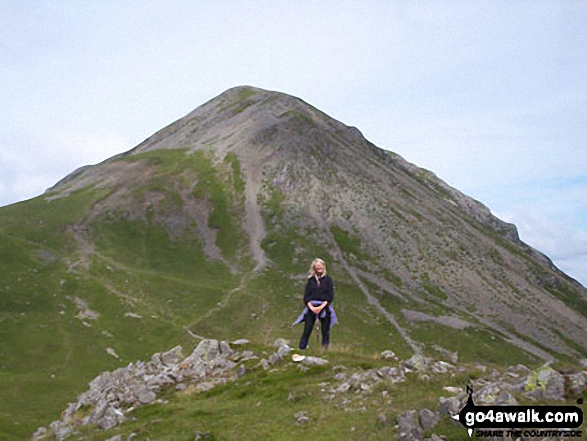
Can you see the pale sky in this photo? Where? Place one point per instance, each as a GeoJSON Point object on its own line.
{"type": "Point", "coordinates": [491, 96]}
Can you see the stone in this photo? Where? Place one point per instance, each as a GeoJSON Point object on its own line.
{"type": "Point", "coordinates": [388, 355]}
{"type": "Point", "coordinates": [408, 427]}
{"type": "Point", "coordinates": [40, 433]}
{"type": "Point", "coordinates": [546, 382]}
{"type": "Point", "coordinates": [343, 388]}
{"type": "Point", "coordinates": [427, 419]}
{"type": "Point", "coordinates": [453, 390]}
{"type": "Point", "coordinates": [112, 352]}
{"type": "Point", "coordinates": [240, 341]}
{"type": "Point", "coordinates": [449, 406]}
{"type": "Point", "coordinates": [418, 362]}
{"type": "Point", "coordinates": [280, 342]}
{"type": "Point", "coordinates": [284, 350]}
{"type": "Point", "coordinates": [145, 395]}
{"type": "Point", "coordinates": [200, 436]}
{"type": "Point", "coordinates": [441, 367]}
{"type": "Point", "coordinates": [302, 417]}
{"type": "Point", "coordinates": [576, 384]}
{"type": "Point", "coordinates": [506, 398]}
{"type": "Point", "coordinates": [173, 356]}
{"type": "Point", "coordinates": [314, 361]}
{"type": "Point", "coordinates": [274, 358]}
{"type": "Point", "coordinates": [225, 348]}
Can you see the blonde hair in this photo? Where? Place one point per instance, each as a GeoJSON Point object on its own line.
{"type": "Point", "coordinates": [312, 272]}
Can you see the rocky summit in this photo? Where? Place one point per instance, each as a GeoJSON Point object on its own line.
{"type": "Point", "coordinates": [205, 231]}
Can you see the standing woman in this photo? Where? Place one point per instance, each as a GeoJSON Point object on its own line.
{"type": "Point", "coordinates": [318, 300]}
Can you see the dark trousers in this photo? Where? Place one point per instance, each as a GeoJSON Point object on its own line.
{"type": "Point", "coordinates": [309, 320]}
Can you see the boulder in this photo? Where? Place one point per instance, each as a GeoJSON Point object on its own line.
{"type": "Point", "coordinates": [427, 419]}
{"type": "Point", "coordinates": [449, 406]}
{"type": "Point", "coordinates": [576, 384]}
{"type": "Point", "coordinates": [409, 427]}
{"type": "Point", "coordinates": [545, 382]}
{"type": "Point", "coordinates": [314, 361]}
{"type": "Point", "coordinates": [388, 355]}
{"type": "Point", "coordinates": [418, 362]}
{"type": "Point", "coordinates": [280, 342]}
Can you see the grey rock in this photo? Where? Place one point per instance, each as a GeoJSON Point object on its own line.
{"type": "Point", "coordinates": [225, 348]}
{"type": "Point", "coordinates": [240, 341]}
{"type": "Point", "coordinates": [506, 398]}
{"type": "Point", "coordinates": [343, 388]}
{"type": "Point", "coordinates": [487, 394]}
{"type": "Point", "coordinates": [408, 427]}
{"type": "Point", "coordinates": [441, 367]}
{"type": "Point", "coordinates": [40, 433]}
{"type": "Point", "coordinates": [314, 361]}
{"type": "Point", "coordinates": [274, 358]}
{"type": "Point", "coordinates": [200, 436]}
{"type": "Point", "coordinates": [281, 342]}
{"type": "Point", "coordinates": [172, 356]}
{"type": "Point", "coordinates": [60, 430]}
{"type": "Point", "coordinates": [302, 417]}
{"type": "Point", "coordinates": [576, 384]}
{"type": "Point", "coordinates": [284, 350]}
{"type": "Point", "coordinates": [115, 438]}
{"type": "Point", "coordinates": [382, 418]}
{"type": "Point", "coordinates": [427, 419]}
{"type": "Point", "coordinates": [545, 382]}
{"type": "Point", "coordinates": [145, 395]}
{"type": "Point", "coordinates": [418, 363]}
{"type": "Point", "coordinates": [449, 406]}
{"type": "Point", "coordinates": [111, 418]}
{"type": "Point", "coordinates": [388, 355]}
{"type": "Point", "coordinates": [393, 374]}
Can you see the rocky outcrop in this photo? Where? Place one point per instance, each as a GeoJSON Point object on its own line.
{"type": "Point", "coordinates": [113, 395]}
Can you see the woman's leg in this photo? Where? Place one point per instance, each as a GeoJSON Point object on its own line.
{"type": "Point", "coordinates": [325, 326]}
{"type": "Point", "coordinates": [309, 320]}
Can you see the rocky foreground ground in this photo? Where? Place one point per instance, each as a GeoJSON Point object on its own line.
{"type": "Point", "coordinates": [112, 396]}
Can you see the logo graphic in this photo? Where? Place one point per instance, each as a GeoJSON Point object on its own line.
{"type": "Point", "coordinates": [520, 417]}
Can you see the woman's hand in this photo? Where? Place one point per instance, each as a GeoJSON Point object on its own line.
{"type": "Point", "coordinates": [317, 309]}
{"type": "Point", "coordinates": [314, 309]}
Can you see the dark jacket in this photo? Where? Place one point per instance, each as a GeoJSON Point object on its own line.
{"type": "Point", "coordinates": [324, 292]}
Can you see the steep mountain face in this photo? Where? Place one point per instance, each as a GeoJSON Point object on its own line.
{"type": "Point", "coordinates": [207, 228]}
{"type": "Point", "coordinates": [394, 228]}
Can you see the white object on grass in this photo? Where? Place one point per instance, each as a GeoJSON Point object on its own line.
{"type": "Point", "coordinates": [297, 357]}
